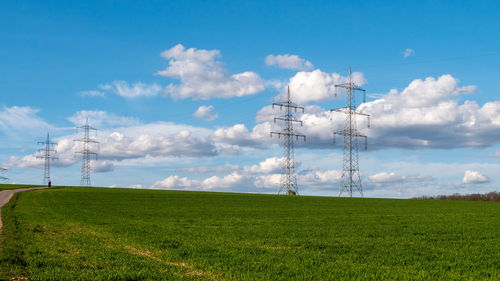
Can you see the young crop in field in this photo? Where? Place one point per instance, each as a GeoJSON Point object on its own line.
{"type": "Point", "coordinates": [122, 234]}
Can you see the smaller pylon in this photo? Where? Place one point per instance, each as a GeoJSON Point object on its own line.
{"type": "Point", "coordinates": [288, 182]}
{"type": "Point", "coordinates": [3, 170]}
{"type": "Point", "coordinates": [47, 156]}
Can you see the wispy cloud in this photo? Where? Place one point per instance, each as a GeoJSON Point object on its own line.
{"type": "Point", "coordinates": [408, 52]}
{"type": "Point", "coordinates": [135, 90]}
{"type": "Point", "coordinates": [92, 93]}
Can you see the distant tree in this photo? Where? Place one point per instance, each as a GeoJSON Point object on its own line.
{"type": "Point", "coordinates": [491, 196]}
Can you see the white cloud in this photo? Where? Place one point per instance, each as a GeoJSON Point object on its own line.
{"type": "Point", "coordinates": [99, 118]}
{"type": "Point", "coordinates": [101, 166]}
{"type": "Point", "coordinates": [288, 62]}
{"type": "Point", "coordinates": [474, 177]}
{"type": "Point", "coordinates": [203, 77]}
{"type": "Point", "coordinates": [426, 114]}
{"type": "Point", "coordinates": [240, 136]}
{"type": "Point", "coordinates": [206, 113]}
{"type": "Point", "coordinates": [118, 146]}
{"type": "Point", "coordinates": [147, 143]}
{"type": "Point", "coordinates": [270, 165]}
{"type": "Point", "coordinates": [385, 177]}
{"type": "Point", "coordinates": [136, 90]}
{"type": "Point", "coordinates": [232, 180]}
{"type": "Point", "coordinates": [204, 169]}
{"type": "Point", "coordinates": [18, 121]}
{"type": "Point", "coordinates": [92, 93]}
{"type": "Point", "coordinates": [408, 52]}
{"type": "Point", "coordinates": [317, 86]}
{"type": "Point", "coordinates": [176, 182]}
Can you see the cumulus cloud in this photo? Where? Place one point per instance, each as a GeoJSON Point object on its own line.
{"type": "Point", "coordinates": [124, 138]}
{"type": "Point", "coordinates": [270, 165]}
{"type": "Point", "coordinates": [233, 181]}
{"type": "Point", "coordinates": [408, 52]}
{"type": "Point", "coordinates": [101, 166]}
{"type": "Point", "coordinates": [317, 86]}
{"type": "Point", "coordinates": [123, 89]}
{"type": "Point", "coordinates": [176, 182]}
{"type": "Point", "coordinates": [385, 177]}
{"type": "Point", "coordinates": [474, 177]}
{"type": "Point", "coordinates": [426, 114]}
{"type": "Point", "coordinates": [206, 113]}
{"type": "Point", "coordinates": [388, 178]}
{"type": "Point", "coordinates": [202, 76]}
{"type": "Point", "coordinates": [183, 144]}
{"type": "Point", "coordinates": [289, 62]}
{"type": "Point", "coordinates": [240, 136]}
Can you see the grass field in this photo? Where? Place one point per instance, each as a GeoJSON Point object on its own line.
{"type": "Point", "coordinates": [15, 186]}
{"type": "Point", "coordinates": [124, 234]}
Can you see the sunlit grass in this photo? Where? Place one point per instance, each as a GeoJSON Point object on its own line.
{"type": "Point", "coordinates": [124, 234]}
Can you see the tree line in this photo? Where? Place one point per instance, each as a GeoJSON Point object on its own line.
{"type": "Point", "coordinates": [491, 196]}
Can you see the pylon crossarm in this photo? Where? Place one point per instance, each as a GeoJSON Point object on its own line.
{"type": "Point", "coordinates": [288, 134]}
{"type": "Point", "coordinates": [342, 109]}
{"type": "Point", "coordinates": [360, 113]}
{"type": "Point", "coordinates": [350, 85]}
{"type": "Point", "coordinates": [287, 119]}
{"type": "Point", "coordinates": [287, 105]}
{"type": "Point", "coordinates": [86, 140]}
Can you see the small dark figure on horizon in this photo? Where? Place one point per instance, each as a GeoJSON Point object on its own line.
{"type": "Point", "coordinates": [50, 183]}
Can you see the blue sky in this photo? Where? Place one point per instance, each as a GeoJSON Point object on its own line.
{"type": "Point", "coordinates": [140, 70]}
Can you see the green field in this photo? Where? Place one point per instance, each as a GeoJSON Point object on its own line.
{"type": "Point", "coordinates": [15, 186]}
{"type": "Point", "coordinates": [125, 234]}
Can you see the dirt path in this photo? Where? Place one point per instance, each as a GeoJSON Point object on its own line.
{"type": "Point", "coordinates": [5, 196]}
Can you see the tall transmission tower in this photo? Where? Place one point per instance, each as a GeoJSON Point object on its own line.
{"type": "Point", "coordinates": [86, 152]}
{"type": "Point", "coordinates": [47, 156]}
{"type": "Point", "coordinates": [2, 170]}
{"type": "Point", "coordinates": [288, 182]}
{"type": "Point", "coordinates": [350, 165]}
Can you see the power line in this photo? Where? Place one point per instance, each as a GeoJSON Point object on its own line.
{"type": "Point", "coordinates": [86, 152]}
{"type": "Point", "coordinates": [350, 165]}
{"type": "Point", "coordinates": [288, 182]}
{"type": "Point", "coordinates": [47, 156]}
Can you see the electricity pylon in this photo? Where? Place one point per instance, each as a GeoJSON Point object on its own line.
{"type": "Point", "coordinates": [2, 170]}
{"type": "Point", "coordinates": [350, 166]}
{"type": "Point", "coordinates": [288, 182]}
{"type": "Point", "coordinates": [47, 156]}
{"type": "Point", "coordinates": [86, 152]}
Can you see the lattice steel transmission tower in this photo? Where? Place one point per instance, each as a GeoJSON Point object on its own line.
{"type": "Point", "coordinates": [288, 182]}
{"type": "Point", "coordinates": [3, 170]}
{"type": "Point", "coordinates": [47, 156]}
{"type": "Point", "coordinates": [350, 165]}
{"type": "Point", "coordinates": [86, 152]}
